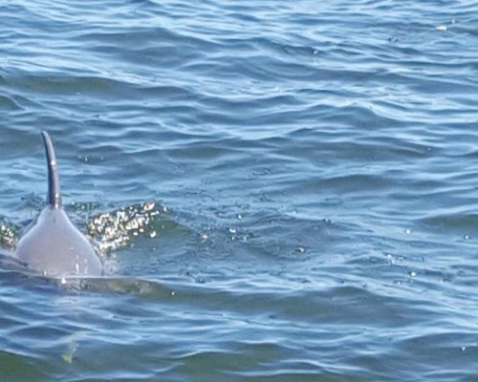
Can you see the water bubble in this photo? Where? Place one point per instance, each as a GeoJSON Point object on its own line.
{"type": "Point", "coordinates": [390, 258]}
{"type": "Point", "coordinates": [408, 231]}
{"type": "Point", "coordinates": [413, 274]}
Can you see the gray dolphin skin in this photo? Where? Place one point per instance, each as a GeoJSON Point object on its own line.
{"type": "Point", "coordinates": [53, 246]}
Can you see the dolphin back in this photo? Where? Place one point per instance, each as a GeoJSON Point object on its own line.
{"type": "Point", "coordinates": [54, 195]}
{"type": "Point", "coordinates": [53, 246]}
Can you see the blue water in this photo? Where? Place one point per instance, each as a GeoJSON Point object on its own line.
{"type": "Point", "coordinates": [281, 191]}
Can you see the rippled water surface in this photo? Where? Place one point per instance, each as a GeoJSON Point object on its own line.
{"type": "Point", "coordinates": [281, 191]}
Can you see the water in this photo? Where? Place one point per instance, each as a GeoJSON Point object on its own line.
{"type": "Point", "coordinates": [282, 191]}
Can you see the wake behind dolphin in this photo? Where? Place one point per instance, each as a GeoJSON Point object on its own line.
{"type": "Point", "coordinates": [53, 246]}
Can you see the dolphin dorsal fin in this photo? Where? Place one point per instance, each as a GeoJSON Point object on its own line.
{"type": "Point", "coordinates": [54, 195]}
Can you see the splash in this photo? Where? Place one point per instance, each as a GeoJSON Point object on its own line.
{"type": "Point", "coordinates": [8, 234]}
{"type": "Point", "coordinates": [115, 230]}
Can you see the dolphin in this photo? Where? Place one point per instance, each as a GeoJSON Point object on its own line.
{"type": "Point", "coordinates": [53, 246]}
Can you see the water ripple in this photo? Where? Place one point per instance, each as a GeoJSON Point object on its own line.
{"type": "Point", "coordinates": [282, 191]}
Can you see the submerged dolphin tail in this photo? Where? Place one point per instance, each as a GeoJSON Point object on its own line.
{"type": "Point", "coordinates": [54, 195]}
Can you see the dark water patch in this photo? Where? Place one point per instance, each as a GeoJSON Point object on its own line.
{"type": "Point", "coordinates": [463, 223]}
{"type": "Point", "coordinates": [7, 103]}
{"type": "Point", "coordinates": [70, 86]}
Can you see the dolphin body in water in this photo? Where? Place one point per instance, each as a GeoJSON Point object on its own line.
{"type": "Point", "coordinates": [53, 246]}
